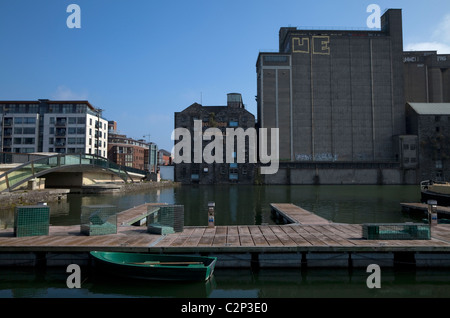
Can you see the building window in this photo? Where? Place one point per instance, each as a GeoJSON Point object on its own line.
{"type": "Point", "coordinates": [29, 131]}
{"type": "Point", "coordinates": [29, 120]}
{"type": "Point", "coordinates": [437, 118]}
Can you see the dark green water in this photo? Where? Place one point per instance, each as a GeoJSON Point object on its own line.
{"type": "Point", "coordinates": [244, 205]}
{"type": "Point", "coordinates": [232, 283]}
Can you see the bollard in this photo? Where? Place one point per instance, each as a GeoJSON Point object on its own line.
{"type": "Point", "coordinates": [432, 212]}
{"type": "Point", "coordinates": [211, 206]}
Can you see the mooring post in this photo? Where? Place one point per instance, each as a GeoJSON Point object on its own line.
{"type": "Point", "coordinates": [211, 206]}
{"type": "Point", "coordinates": [432, 212]}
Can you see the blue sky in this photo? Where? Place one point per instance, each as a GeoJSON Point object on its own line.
{"type": "Point", "coordinates": [143, 60]}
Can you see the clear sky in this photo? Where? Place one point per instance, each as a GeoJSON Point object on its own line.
{"type": "Point", "coordinates": [143, 60]}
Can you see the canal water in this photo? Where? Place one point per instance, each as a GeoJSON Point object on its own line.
{"type": "Point", "coordinates": [242, 205]}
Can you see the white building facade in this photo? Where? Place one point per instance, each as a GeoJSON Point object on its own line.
{"type": "Point", "coordinates": [67, 127]}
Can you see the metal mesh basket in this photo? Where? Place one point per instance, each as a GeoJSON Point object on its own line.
{"type": "Point", "coordinates": [396, 231]}
{"type": "Point", "coordinates": [31, 220]}
{"type": "Point", "coordinates": [98, 219]}
{"type": "Point", "coordinates": [165, 219]}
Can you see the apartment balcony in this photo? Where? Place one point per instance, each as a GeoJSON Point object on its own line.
{"type": "Point", "coordinates": [7, 132]}
{"type": "Point", "coordinates": [60, 123]}
{"type": "Point", "coordinates": [7, 142]}
{"type": "Point", "coordinates": [60, 132]}
{"type": "Point", "coordinates": [60, 142]}
{"type": "Point", "coordinates": [8, 122]}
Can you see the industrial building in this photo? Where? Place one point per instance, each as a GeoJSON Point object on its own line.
{"type": "Point", "coordinates": [430, 124]}
{"type": "Point", "coordinates": [335, 95]}
{"type": "Point", "coordinates": [427, 77]}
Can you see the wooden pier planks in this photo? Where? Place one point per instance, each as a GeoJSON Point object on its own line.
{"type": "Point", "coordinates": [194, 238]}
{"type": "Point", "coordinates": [309, 232]}
{"type": "Point", "coordinates": [296, 214]}
{"type": "Point", "coordinates": [424, 207]}
{"type": "Point", "coordinates": [134, 214]}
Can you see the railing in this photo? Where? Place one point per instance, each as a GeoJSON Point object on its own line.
{"type": "Point", "coordinates": [40, 166]}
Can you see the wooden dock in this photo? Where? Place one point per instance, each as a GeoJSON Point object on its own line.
{"type": "Point", "coordinates": [309, 240]}
{"type": "Point", "coordinates": [291, 213]}
{"type": "Point", "coordinates": [424, 208]}
{"type": "Point", "coordinates": [134, 215]}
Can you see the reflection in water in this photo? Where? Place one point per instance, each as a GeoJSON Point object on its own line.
{"type": "Point", "coordinates": [247, 205]}
{"type": "Point", "coordinates": [232, 283]}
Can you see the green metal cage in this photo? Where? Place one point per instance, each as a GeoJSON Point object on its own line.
{"type": "Point", "coordinates": [396, 231]}
{"type": "Point", "coordinates": [165, 219]}
{"type": "Point", "coordinates": [31, 220]}
{"type": "Point", "coordinates": [98, 219]}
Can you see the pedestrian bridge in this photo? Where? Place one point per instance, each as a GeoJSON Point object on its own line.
{"type": "Point", "coordinates": [18, 175]}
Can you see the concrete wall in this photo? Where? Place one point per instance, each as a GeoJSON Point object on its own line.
{"type": "Point", "coordinates": [385, 176]}
{"type": "Point", "coordinates": [167, 172]}
{"type": "Point", "coordinates": [427, 76]}
{"type": "Point", "coordinates": [346, 93]}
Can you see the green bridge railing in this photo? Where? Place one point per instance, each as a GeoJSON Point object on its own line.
{"type": "Point", "coordinates": [38, 167]}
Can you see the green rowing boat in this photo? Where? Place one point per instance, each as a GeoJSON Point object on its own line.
{"type": "Point", "coordinates": [155, 266]}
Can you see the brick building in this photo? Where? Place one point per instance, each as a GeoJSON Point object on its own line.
{"type": "Point", "coordinates": [128, 152]}
{"type": "Point", "coordinates": [164, 157]}
{"type": "Point", "coordinates": [234, 115]}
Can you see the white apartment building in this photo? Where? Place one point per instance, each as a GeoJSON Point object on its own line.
{"type": "Point", "coordinates": [68, 127]}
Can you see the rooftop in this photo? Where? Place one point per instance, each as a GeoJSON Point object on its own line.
{"type": "Point", "coordinates": [431, 108]}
